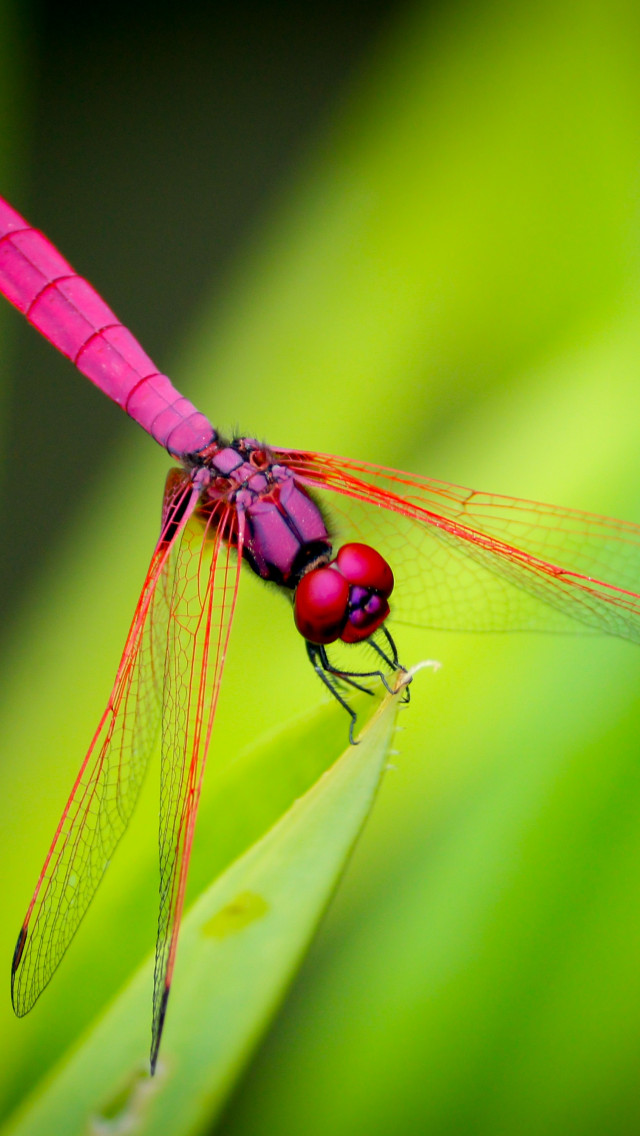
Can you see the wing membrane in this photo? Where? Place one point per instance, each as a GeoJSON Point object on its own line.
{"type": "Point", "coordinates": [108, 784]}
{"type": "Point", "coordinates": [204, 586]}
{"type": "Point", "coordinates": [466, 560]}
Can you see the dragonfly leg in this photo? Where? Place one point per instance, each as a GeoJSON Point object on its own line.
{"type": "Point", "coordinates": [350, 676]}
{"type": "Point", "coordinates": [393, 661]}
{"type": "Point", "coordinates": [315, 653]}
{"type": "Point", "coordinates": [334, 677]}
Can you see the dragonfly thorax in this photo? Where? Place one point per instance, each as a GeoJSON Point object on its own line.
{"type": "Point", "coordinates": [285, 540]}
{"type": "Point", "coordinates": [284, 531]}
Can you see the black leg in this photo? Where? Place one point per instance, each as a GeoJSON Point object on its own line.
{"type": "Point", "coordinates": [313, 654]}
{"type": "Point", "coordinates": [395, 662]}
{"type": "Point", "coordinates": [334, 677]}
{"type": "Point", "coordinates": [394, 649]}
{"type": "Point", "coordinates": [350, 675]}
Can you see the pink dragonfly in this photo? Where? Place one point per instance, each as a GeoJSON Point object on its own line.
{"type": "Point", "coordinates": [460, 559]}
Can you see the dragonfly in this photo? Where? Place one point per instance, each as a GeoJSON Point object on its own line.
{"type": "Point", "coordinates": [353, 545]}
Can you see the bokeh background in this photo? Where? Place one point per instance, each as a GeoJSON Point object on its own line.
{"type": "Point", "coordinates": [407, 233]}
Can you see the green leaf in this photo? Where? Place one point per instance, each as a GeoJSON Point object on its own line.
{"type": "Point", "coordinates": [240, 944]}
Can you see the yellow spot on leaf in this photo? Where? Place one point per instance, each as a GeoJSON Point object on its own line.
{"type": "Point", "coordinates": [234, 916]}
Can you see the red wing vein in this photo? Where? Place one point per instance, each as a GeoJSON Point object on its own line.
{"type": "Point", "coordinates": [472, 561]}
{"type": "Point", "coordinates": [106, 789]}
{"type": "Point", "coordinates": [204, 592]}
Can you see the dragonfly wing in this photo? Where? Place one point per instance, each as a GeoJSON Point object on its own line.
{"type": "Point", "coordinates": [108, 784]}
{"type": "Point", "coordinates": [204, 586]}
{"type": "Point", "coordinates": [466, 560]}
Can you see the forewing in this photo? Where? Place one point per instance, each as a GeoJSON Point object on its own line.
{"type": "Point", "coordinates": [108, 784]}
{"type": "Point", "coordinates": [203, 594]}
{"type": "Point", "coordinates": [466, 560]}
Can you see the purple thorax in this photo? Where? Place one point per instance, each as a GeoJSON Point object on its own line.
{"type": "Point", "coordinates": [284, 530]}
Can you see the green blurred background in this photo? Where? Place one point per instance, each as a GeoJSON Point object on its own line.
{"type": "Point", "coordinates": [408, 233]}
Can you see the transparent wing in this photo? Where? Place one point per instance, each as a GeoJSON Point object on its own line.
{"type": "Point", "coordinates": [108, 784]}
{"type": "Point", "coordinates": [203, 591]}
{"type": "Point", "coordinates": [466, 560]}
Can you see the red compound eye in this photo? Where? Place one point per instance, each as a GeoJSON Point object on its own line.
{"type": "Point", "coordinates": [366, 615]}
{"type": "Point", "coordinates": [361, 565]}
{"type": "Point", "coordinates": [346, 600]}
{"type": "Point", "coordinates": [321, 605]}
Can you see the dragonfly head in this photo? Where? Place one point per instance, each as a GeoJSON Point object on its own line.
{"type": "Point", "coordinates": [346, 599]}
